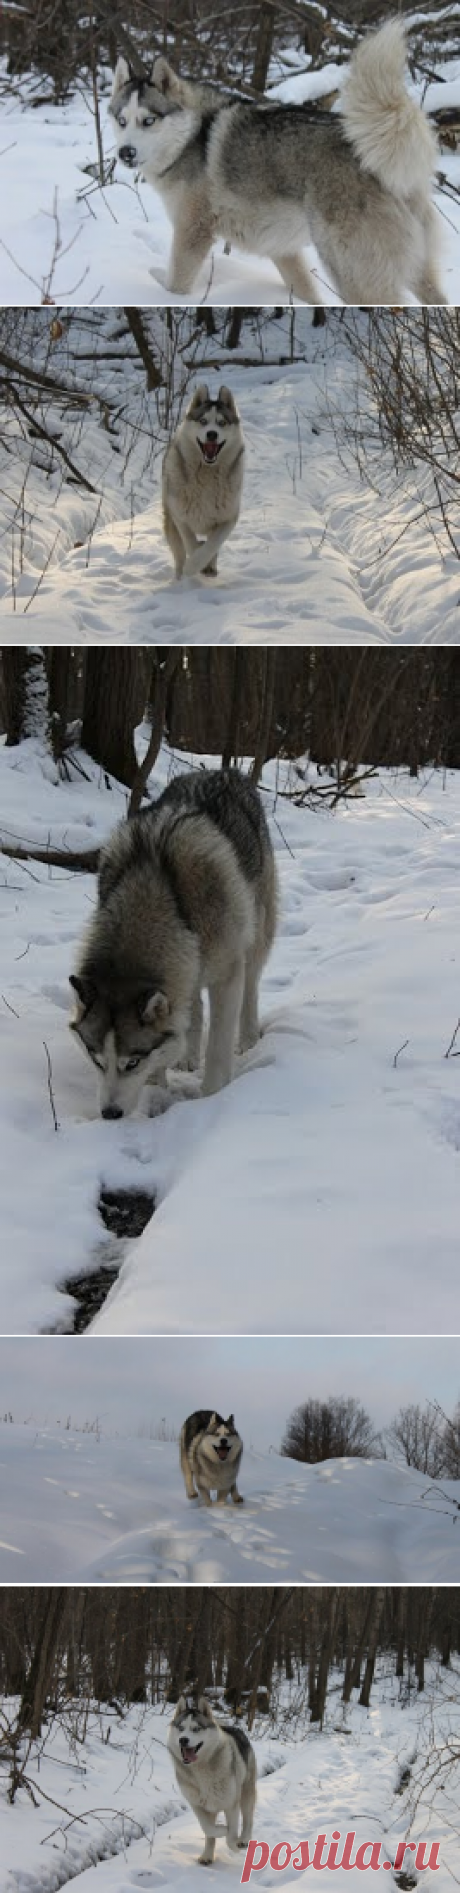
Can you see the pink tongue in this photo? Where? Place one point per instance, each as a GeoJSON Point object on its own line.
{"type": "Point", "coordinates": [210, 449]}
{"type": "Point", "coordinates": [189, 1754]}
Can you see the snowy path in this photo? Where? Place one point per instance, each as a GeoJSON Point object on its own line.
{"type": "Point", "coordinates": [316, 558]}
{"type": "Point", "coordinates": [344, 1216]}
{"type": "Point", "coordinates": [77, 1508]}
{"type": "Point", "coordinates": [345, 1779]}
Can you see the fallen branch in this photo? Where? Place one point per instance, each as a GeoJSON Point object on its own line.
{"type": "Point", "coordinates": [84, 863]}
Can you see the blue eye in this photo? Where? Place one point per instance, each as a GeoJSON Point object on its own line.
{"type": "Point", "coordinates": [122, 121]}
{"type": "Point", "coordinates": [150, 120]}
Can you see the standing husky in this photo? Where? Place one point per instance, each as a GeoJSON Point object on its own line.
{"type": "Point", "coordinates": [271, 178]}
{"type": "Point", "coordinates": [202, 482]}
{"type": "Point", "coordinates": [187, 899]}
{"type": "Point", "coordinates": [215, 1768]}
{"type": "Point", "coordinates": [210, 1456]}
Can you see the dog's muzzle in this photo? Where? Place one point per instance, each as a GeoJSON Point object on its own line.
{"type": "Point", "coordinates": [223, 1449]}
{"type": "Point", "coordinates": [128, 155]}
{"type": "Point", "coordinates": [211, 447]}
{"type": "Point", "coordinates": [188, 1753]}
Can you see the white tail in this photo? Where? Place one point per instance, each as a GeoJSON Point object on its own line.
{"type": "Point", "coordinates": [387, 128]}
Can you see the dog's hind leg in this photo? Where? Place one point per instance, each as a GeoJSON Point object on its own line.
{"type": "Point", "coordinates": [225, 1000]}
{"type": "Point", "coordinates": [297, 277]}
{"type": "Point", "coordinates": [248, 1802]}
{"type": "Point", "coordinates": [249, 1031]}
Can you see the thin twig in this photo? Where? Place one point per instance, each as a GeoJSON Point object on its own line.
{"type": "Point", "coordinates": [50, 1086]}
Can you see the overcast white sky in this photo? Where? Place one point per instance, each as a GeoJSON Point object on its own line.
{"type": "Point", "coordinates": [129, 1384]}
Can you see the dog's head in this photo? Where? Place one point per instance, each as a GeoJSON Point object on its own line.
{"type": "Point", "coordinates": [221, 1439]}
{"type": "Point", "coordinates": [212, 422]}
{"type": "Point", "coordinates": [146, 111]}
{"type": "Point", "coordinates": [192, 1725]}
{"type": "Point", "coordinates": [131, 1031]}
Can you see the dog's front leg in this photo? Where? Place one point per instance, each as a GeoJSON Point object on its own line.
{"type": "Point", "coordinates": [225, 1000]}
{"type": "Point", "coordinates": [205, 555]}
{"type": "Point", "coordinates": [236, 1496]}
{"type": "Point", "coordinates": [193, 235]}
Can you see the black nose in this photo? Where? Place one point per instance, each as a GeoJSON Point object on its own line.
{"type": "Point", "coordinates": [128, 154]}
{"type": "Point", "coordinates": [211, 434]}
{"type": "Point", "coordinates": [111, 1110]}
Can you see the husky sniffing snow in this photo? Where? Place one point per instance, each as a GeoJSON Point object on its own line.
{"type": "Point", "coordinates": [187, 900]}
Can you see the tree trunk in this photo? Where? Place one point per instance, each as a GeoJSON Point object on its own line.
{"type": "Point", "coordinates": [115, 694]}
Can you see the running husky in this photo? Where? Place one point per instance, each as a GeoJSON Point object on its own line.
{"type": "Point", "coordinates": [187, 899]}
{"type": "Point", "coordinates": [215, 1769]}
{"type": "Point", "coordinates": [210, 1456]}
{"type": "Point", "coordinates": [271, 178]}
{"type": "Point", "coordinates": [202, 481]}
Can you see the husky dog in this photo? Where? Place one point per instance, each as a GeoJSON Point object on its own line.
{"type": "Point", "coordinates": [271, 178]}
{"type": "Point", "coordinates": [187, 899]}
{"type": "Point", "coordinates": [215, 1769]}
{"type": "Point", "coordinates": [210, 1457]}
{"type": "Point", "coordinates": [202, 481]}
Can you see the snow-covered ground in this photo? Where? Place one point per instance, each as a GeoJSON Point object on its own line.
{"type": "Point", "coordinates": [79, 1507]}
{"type": "Point", "coordinates": [63, 238]}
{"type": "Point", "coordinates": [319, 556]}
{"type": "Point", "coordinates": [319, 1193]}
{"type": "Point", "coordinates": [121, 1825]}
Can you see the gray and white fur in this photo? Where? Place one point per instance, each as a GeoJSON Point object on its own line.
{"type": "Point", "coordinates": [202, 482]}
{"type": "Point", "coordinates": [271, 178]}
{"type": "Point", "coordinates": [186, 901]}
{"type": "Point", "coordinates": [210, 1456]}
{"type": "Point", "coordinates": [215, 1768]}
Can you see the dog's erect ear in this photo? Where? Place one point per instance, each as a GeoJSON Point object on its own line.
{"type": "Point", "coordinates": [121, 76]}
{"type": "Point", "coordinates": [205, 1708]}
{"type": "Point", "coordinates": [226, 398]}
{"type": "Point", "coordinates": [199, 398]}
{"type": "Point", "coordinates": [231, 1422]}
{"type": "Point", "coordinates": [213, 1421]}
{"type": "Point", "coordinates": [163, 77]}
{"type": "Point", "coordinates": [153, 1008]}
{"type": "Point", "coordinates": [181, 1705]}
{"type": "Point", "coordinates": [85, 992]}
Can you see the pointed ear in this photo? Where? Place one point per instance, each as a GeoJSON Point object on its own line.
{"type": "Point", "coordinates": [204, 1707]}
{"type": "Point", "coordinates": [225, 395]}
{"type": "Point", "coordinates": [201, 394]}
{"type": "Point", "coordinates": [163, 76]}
{"type": "Point", "coordinates": [181, 1705]}
{"type": "Point", "coordinates": [121, 76]}
{"type": "Point", "coordinates": [213, 1419]}
{"type": "Point", "coordinates": [231, 1421]}
{"type": "Point", "coordinates": [153, 1008]}
{"type": "Point", "coordinates": [85, 991]}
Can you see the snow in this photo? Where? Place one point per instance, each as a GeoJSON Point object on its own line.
{"type": "Point", "coordinates": [335, 1151]}
{"type": "Point", "coordinates": [319, 556]}
{"type": "Point", "coordinates": [79, 1507]}
{"type": "Point", "coordinates": [63, 238]}
{"type": "Point", "coordinates": [310, 1782]}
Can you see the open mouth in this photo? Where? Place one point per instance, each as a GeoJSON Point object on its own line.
{"type": "Point", "coordinates": [188, 1753]}
{"type": "Point", "coordinates": [210, 449]}
{"type": "Point", "coordinates": [223, 1450]}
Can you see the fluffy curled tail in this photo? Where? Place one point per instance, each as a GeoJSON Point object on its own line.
{"type": "Point", "coordinates": [387, 128]}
